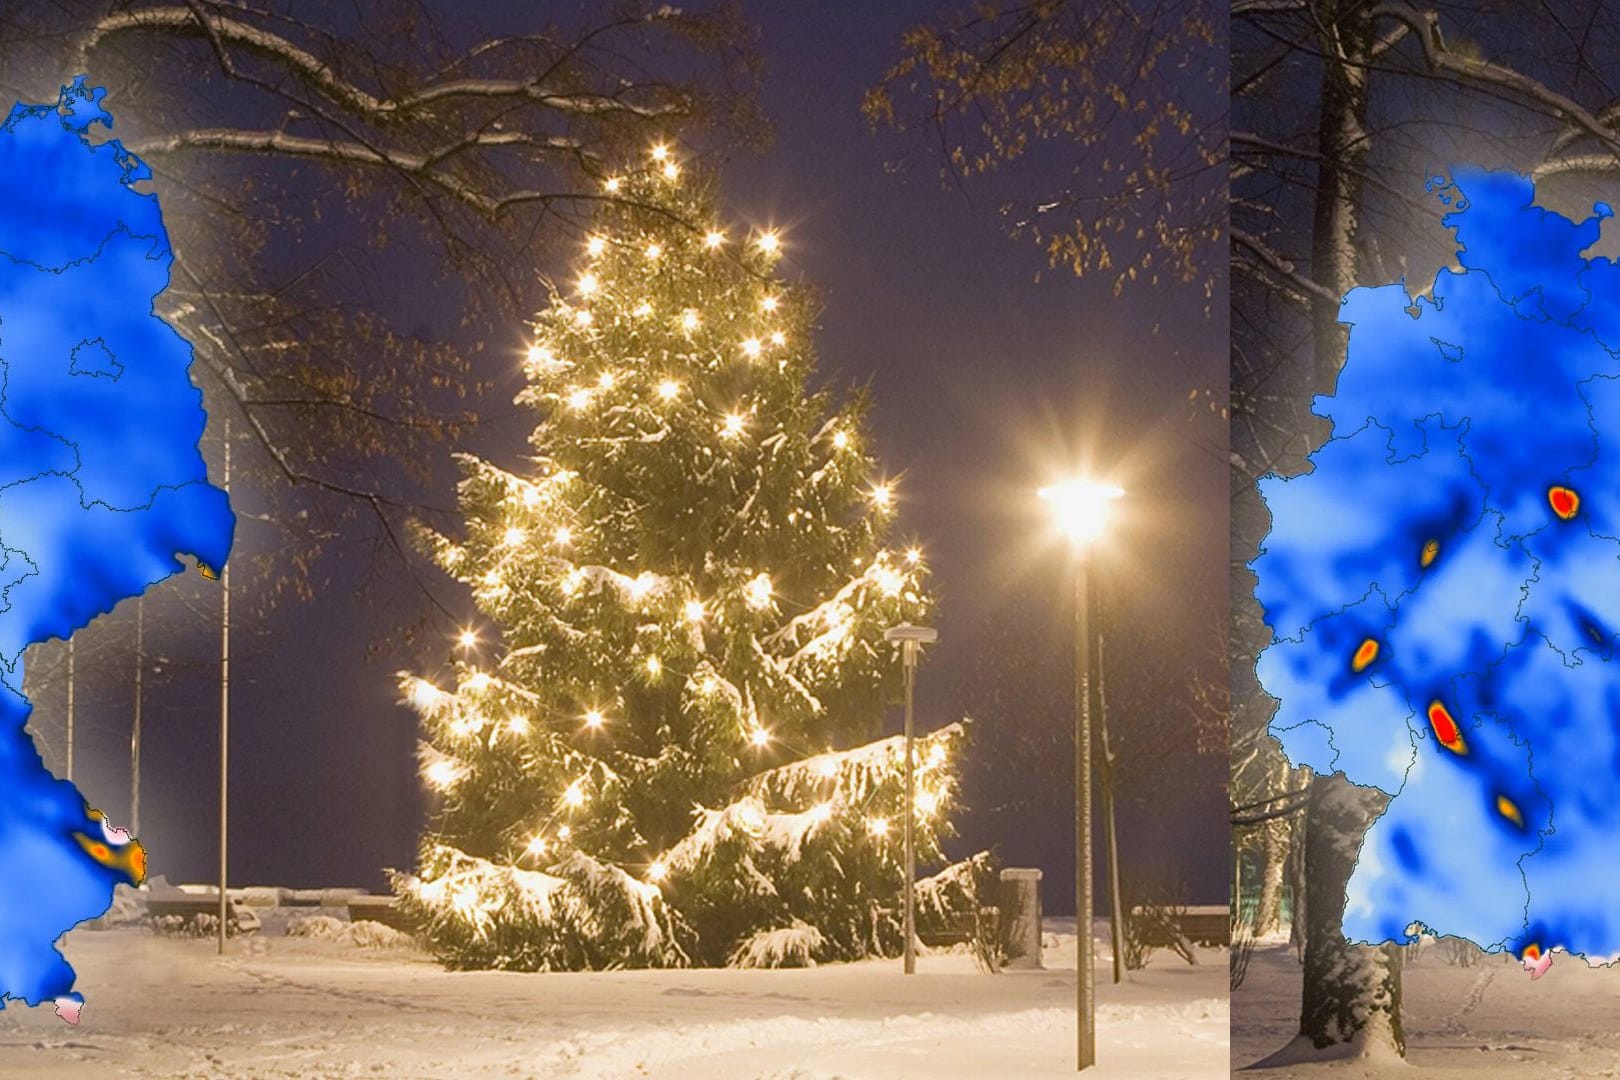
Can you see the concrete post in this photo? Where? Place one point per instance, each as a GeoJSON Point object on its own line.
{"type": "Point", "coordinates": [1020, 903]}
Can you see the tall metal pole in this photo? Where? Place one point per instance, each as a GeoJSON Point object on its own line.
{"type": "Point", "coordinates": [135, 730]}
{"type": "Point", "coordinates": [910, 653]}
{"type": "Point", "coordinates": [1116, 904]}
{"type": "Point", "coordinates": [224, 705]}
{"type": "Point", "coordinates": [70, 713]}
{"type": "Point", "coordinates": [1086, 983]}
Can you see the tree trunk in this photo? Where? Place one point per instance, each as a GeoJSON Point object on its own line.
{"type": "Point", "coordinates": [1351, 1005]}
{"type": "Point", "coordinates": [1274, 856]}
{"type": "Point", "coordinates": [1346, 38]}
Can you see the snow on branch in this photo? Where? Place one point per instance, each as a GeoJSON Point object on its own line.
{"type": "Point", "coordinates": [787, 946]}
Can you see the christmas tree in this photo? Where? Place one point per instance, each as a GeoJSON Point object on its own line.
{"type": "Point", "coordinates": [666, 757]}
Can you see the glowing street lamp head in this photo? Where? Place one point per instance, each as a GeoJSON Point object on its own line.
{"type": "Point", "coordinates": [1080, 508]}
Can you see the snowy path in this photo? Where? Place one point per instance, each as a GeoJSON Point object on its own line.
{"type": "Point", "coordinates": [286, 1007]}
{"type": "Point", "coordinates": [1488, 1020]}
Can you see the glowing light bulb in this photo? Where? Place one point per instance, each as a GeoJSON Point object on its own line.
{"type": "Point", "coordinates": [565, 831]}
{"type": "Point", "coordinates": [537, 846]}
{"type": "Point", "coordinates": [878, 826]}
{"type": "Point", "coordinates": [751, 347]}
{"type": "Point", "coordinates": [671, 170]}
{"type": "Point", "coordinates": [927, 803]}
{"type": "Point", "coordinates": [758, 592]}
{"type": "Point", "coordinates": [759, 737]}
{"type": "Point", "coordinates": [657, 871]}
{"type": "Point", "coordinates": [595, 245]}
{"type": "Point", "coordinates": [613, 184]}
{"type": "Point", "coordinates": [518, 725]}
{"type": "Point", "coordinates": [654, 666]}
{"type": "Point", "coordinates": [689, 319]}
{"type": "Point", "coordinates": [714, 239]}
{"type": "Point", "coordinates": [936, 754]}
{"type": "Point", "coordinates": [478, 682]}
{"type": "Point", "coordinates": [442, 775]}
{"type": "Point", "coordinates": [575, 795]}
{"type": "Point", "coordinates": [579, 400]}
{"type": "Point", "coordinates": [467, 638]}
{"type": "Point", "coordinates": [539, 354]}
{"type": "Point", "coordinates": [563, 536]}
{"type": "Point", "coordinates": [883, 495]}
{"type": "Point", "coordinates": [669, 389]}
{"type": "Point", "coordinates": [593, 719]}
{"type": "Point", "coordinates": [583, 318]}
{"type": "Point", "coordinates": [641, 585]}
{"type": "Point", "coordinates": [588, 284]}
{"type": "Point", "coordinates": [606, 380]}
{"type": "Point", "coordinates": [654, 250]}
{"type": "Point", "coordinates": [913, 556]}
{"type": "Point", "coordinates": [643, 310]}
{"type": "Point", "coordinates": [889, 581]}
{"type": "Point", "coordinates": [708, 685]}
{"type": "Point", "coordinates": [841, 439]}
{"type": "Point", "coordinates": [770, 303]}
{"type": "Point", "coordinates": [733, 426]}
{"type": "Point", "coordinates": [514, 536]}
{"type": "Point", "coordinates": [769, 242]}
{"type": "Point", "coordinates": [694, 611]}
{"type": "Point", "coordinates": [778, 338]}
{"type": "Point", "coordinates": [660, 152]}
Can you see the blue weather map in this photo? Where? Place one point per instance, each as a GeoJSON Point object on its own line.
{"type": "Point", "coordinates": [102, 488]}
{"type": "Point", "coordinates": [1444, 587]}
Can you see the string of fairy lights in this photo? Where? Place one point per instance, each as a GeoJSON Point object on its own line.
{"type": "Point", "coordinates": [888, 573]}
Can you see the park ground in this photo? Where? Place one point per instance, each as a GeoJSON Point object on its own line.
{"type": "Point", "coordinates": [279, 1006]}
{"type": "Point", "coordinates": [1483, 1020]}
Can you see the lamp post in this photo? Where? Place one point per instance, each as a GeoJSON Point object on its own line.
{"type": "Point", "coordinates": [911, 639]}
{"type": "Point", "coordinates": [1080, 510]}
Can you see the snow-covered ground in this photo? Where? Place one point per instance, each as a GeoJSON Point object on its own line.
{"type": "Point", "coordinates": [279, 1006]}
{"type": "Point", "coordinates": [1487, 1020]}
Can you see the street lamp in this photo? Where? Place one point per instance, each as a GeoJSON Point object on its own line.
{"type": "Point", "coordinates": [911, 639]}
{"type": "Point", "coordinates": [1080, 510]}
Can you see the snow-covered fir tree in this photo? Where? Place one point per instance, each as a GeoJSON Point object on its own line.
{"type": "Point", "coordinates": [658, 749]}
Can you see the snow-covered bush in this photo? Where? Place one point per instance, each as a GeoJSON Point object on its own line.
{"type": "Point", "coordinates": [789, 946]}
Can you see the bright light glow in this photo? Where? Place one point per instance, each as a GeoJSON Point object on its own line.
{"type": "Point", "coordinates": [878, 826]}
{"type": "Point", "coordinates": [1080, 508]}
{"type": "Point", "coordinates": [654, 666]}
{"type": "Point", "coordinates": [641, 585]}
{"type": "Point", "coordinates": [769, 242]}
{"type": "Point", "coordinates": [442, 775]}
{"type": "Point", "coordinates": [424, 695]}
{"type": "Point", "coordinates": [643, 310]}
{"type": "Point", "coordinates": [760, 737]}
{"type": "Point", "coordinates": [660, 152]}
{"type": "Point", "coordinates": [654, 250]}
{"type": "Point", "coordinates": [579, 400]}
{"type": "Point", "coordinates": [564, 831]}
{"type": "Point", "coordinates": [478, 681]}
{"type": "Point", "coordinates": [467, 639]}
{"type": "Point", "coordinates": [669, 389]}
{"type": "Point", "coordinates": [563, 536]}
{"type": "Point", "coordinates": [927, 803]}
{"type": "Point", "coordinates": [575, 795]}
{"type": "Point", "coordinates": [588, 284]}
{"type": "Point", "coordinates": [708, 685]}
{"type": "Point", "coordinates": [514, 536]}
{"type": "Point", "coordinates": [778, 338]}
{"type": "Point", "coordinates": [913, 556]}
{"type": "Point", "coordinates": [883, 495]}
{"type": "Point", "coordinates": [671, 170]}
{"type": "Point", "coordinates": [827, 768]}
{"type": "Point", "coordinates": [689, 319]}
{"type": "Point", "coordinates": [936, 754]}
{"type": "Point", "coordinates": [694, 611]}
{"type": "Point", "coordinates": [840, 440]}
{"type": "Point", "coordinates": [770, 303]}
{"type": "Point", "coordinates": [751, 347]}
{"type": "Point", "coordinates": [889, 580]}
{"type": "Point", "coordinates": [572, 581]}
{"type": "Point", "coordinates": [594, 718]}
{"type": "Point", "coordinates": [714, 239]}
{"type": "Point", "coordinates": [537, 846]}
{"type": "Point", "coordinates": [733, 425]}
{"type": "Point", "coordinates": [657, 871]}
{"type": "Point", "coordinates": [539, 354]}
{"type": "Point", "coordinates": [606, 380]}
{"type": "Point", "coordinates": [751, 818]}
{"type": "Point", "coordinates": [758, 592]}
{"type": "Point", "coordinates": [518, 725]}
{"type": "Point", "coordinates": [821, 811]}
{"type": "Point", "coordinates": [613, 183]}
{"type": "Point", "coordinates": [583, 317]}
{"type": "Point", "coordinates": [595, 245]}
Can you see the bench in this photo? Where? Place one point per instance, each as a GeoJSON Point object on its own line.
{"type": "Point", "coordinates": [380, 909]}
{"type": "Point", "coordinates": [188, 906]}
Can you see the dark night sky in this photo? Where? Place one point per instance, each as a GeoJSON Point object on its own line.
{"type": "Point", "coordinates": [986, 382]}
